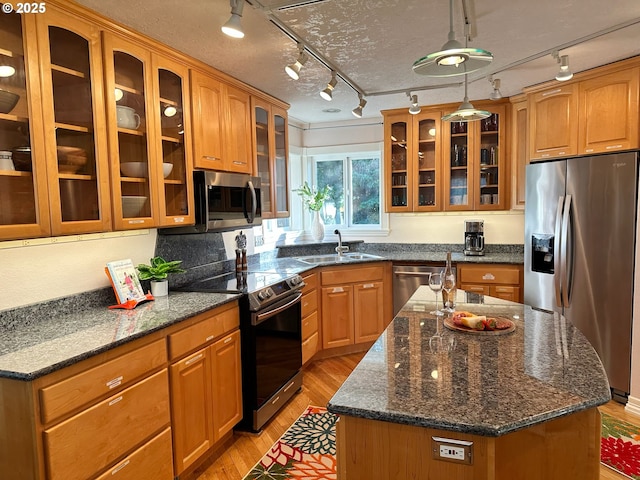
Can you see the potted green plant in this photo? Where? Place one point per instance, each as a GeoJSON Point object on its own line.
{"type": "Point", "coordinates": [158, 271]}
{"type": "Point", "coordinates": [314, 199]}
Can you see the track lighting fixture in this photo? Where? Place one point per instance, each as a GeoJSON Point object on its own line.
{"type": "Point", "coordinates": [495, 94]}
{"type": "Point", "coordinates": [564, 74]}
{"type": "Point", "coordinates": [466, 112]}
{"type": "Point", "coordinates": [233, 27]}
{"type": "Point", "coordinates": [453, 58]}
{"type": "Point", "coordinates": [357, 112]}
{"type": "Point", "coordinates": [293, 69]}
{"type": "Point", "coordinates": [414, 109]}
{"type": "Point", "coordinates": [327, 93]}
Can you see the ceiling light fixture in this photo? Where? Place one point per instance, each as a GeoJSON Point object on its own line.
{"type": "Point", "coordinates": [233, 27]}
{"type": "Point", "coordinates": [466, 112]}
{"type": "Point", "coordinates": [357, 112]}
{"type": "Point", "coordinates": [293, 69]}
{"type": "Point", "coordinates": [564, 74]}
{"type": "Point", "coordinates": [414, 109]}
{"type": "Point", "coordinates": [495, 94]}
{"type": "Point", "coordinates": [327, 93]}
{"type": "Point", "coordinates": [447, 62]}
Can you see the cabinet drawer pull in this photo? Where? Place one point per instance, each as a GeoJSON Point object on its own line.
{"type": "Point", "coordinates": [194, 359]}
{"type": "Point", "coordinates": [209, 338]}
{"type": "Point", "coordinates": [275, 400]}
{"type": "Point", "coordinates": [237, 162]}
{"type": "Point", "coordinates": [132, 222]}
{"type": "Point", "coordinates": [609, 147]}
{"type": "Point", "coordinates": [289, 386]}
{"type": "Point", "coordinates": [114, 382]}
{"type": "Point", "coordinates": [227, 340]}
{"type": "Point", "coordinates": [488, 276]}
{"type": "Point", "coordinates": [368, 285]}
{"type": "Point", "coordinates": [337, 290]}
{"type": "Point", "coordinates": [115, 400]}
{"type": "Point", "coordinates": [209, 157]}
{"type": "Point", "coordinates": [119, 467]}
{"type": "Point", "coordinates": [178, 219]}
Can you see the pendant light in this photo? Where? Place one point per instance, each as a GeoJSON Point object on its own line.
{"type": "Point", "coordinates": [447, 62]}
{"type": "Point", "coordinates": [233, 27]}
{"type": "Point", "coordinates": [466, 112]}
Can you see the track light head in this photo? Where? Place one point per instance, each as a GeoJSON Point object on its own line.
{"type": "Point", "coordinates": [495, 94]}
{"type": "Point", "coordinates": [293, 69]}
{"type": "Point", "coordinates": [414, 109]}
{"type": "Point", "coordinates": [327, 93]}
{"type": "Point", "coordinates": [565, 73]}
{"type": "Point", "coordinates": [357, 112]}
{"type": "Point", "coordinates": [233, 27]}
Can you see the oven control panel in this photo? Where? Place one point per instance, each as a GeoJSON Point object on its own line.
{"type": "Point", "coordinates": [277, 290]}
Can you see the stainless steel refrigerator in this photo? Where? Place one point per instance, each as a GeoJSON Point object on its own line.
{"type": "Point", "coordinates": [580, 230]}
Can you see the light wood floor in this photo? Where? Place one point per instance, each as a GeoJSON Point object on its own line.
{"type": "Point", "coordinates": [321, 380]}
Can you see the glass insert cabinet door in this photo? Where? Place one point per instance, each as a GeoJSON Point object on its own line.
{"type": "Point", "coordinates": [263, 155]}
{"type": "Point", "coordinates": [489, 170]}
{"type": "Point", "coordinates": [76, 153]}
{"type": "Point", "coordinates": [172, 137]}
{"type": "Point", "coordinates": [398, 172]}
{"type": "Point", "coordinates": [460, 190]}
{"type": "Point", "coordinates": [129, 115]}
{"type": "Point", "coordinates": [427, 162]}
{"type": "Point", "coordinates": [24, 206]}
{"type": "Point", "coordinates": [281, 143]}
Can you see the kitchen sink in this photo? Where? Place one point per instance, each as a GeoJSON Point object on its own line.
{"type": "Point", "coordinates": [334, 258]}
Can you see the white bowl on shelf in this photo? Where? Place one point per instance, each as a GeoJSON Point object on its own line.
{"type": "Point", "coordinates": [134, 169]}
{"type": "Point", "coordinates": [167, 168]}
{"type": "Point", "coordinates": [132, 206]}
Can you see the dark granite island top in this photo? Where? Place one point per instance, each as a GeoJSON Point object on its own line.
{"type": "Point", "coordinates": [474, 386]}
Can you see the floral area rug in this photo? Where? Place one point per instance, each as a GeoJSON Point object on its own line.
{"type": "Point", "coordinates": [306, 451]}
{"type": "Point", "coordinates": [620, 446]}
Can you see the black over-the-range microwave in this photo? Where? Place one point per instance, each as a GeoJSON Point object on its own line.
{"type": "Point", "coordinates": [223, 201]}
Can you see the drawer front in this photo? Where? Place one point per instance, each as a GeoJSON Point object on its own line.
{"type": "Point", "coordinates": [337, 276]}
{"type": "Point", "coordinates": [89, 442]}
{"type": "Point", "coordinates": [309, 348]}
{"type": "Point", "coordinates": [152, 460]}
{"type": "Point", "coordinates": [195, 336]}
{"type": "Point", "coordinates": [489, 274]}
{"type": "Point", "coordinates": [309, 325]}
{"type": "Point", "coordinates": [309, 303]}
{"type": "Point", "coordinates": [481, 289]}
{"type": "Point", "coordinates": [311, 282]}
{"type": "Point", "coordinates": [74, 392]}
{"type": "Point", "coordinates": [506, 292]}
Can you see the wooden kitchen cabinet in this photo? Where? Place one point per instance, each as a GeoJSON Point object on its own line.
{"type": "Point", "coordinates": [130, 126]}
{"type": "Point", "coordinates": [271, 156]}
{"type": "Point", "coordinates": [496, 280]}
{"type": "Point", "coordinates": [412, 153]}
{"type": "Point", "coordinates": [309, 314]}
{"type": "Point", "coordinates": [519, 149]}
{"type": "Point", "coordinates": [24, 192]}
{"type": "Point", "coordinates": [608, 112]}
{"type": "Point", "coordinates": [553, 122]}
{"type": "Point", "coordinates": [222, 135]}
{"type": "Point", "coordinates": [73, 102]}
{"type": "Point", "coordinates": [206, 385]}
{"type": "Point", "coordinates": [355, 306]}
{"type": "Point", "coordinates": [475, 177]}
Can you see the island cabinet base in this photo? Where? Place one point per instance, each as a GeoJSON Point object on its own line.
{"type": "Point", "coordinates": [560, 449]}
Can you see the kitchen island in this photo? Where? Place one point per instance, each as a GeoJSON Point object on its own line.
{"type": "Point", "coordinates": [430, 402]}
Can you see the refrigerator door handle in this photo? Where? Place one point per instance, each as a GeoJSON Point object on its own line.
{"type": "Point", "coordinates": [557, 258]}
{"type": "Point", "coordinates": [565, 268]}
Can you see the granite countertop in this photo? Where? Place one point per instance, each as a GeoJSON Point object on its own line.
{"type": "Point", "coordinates": [44, 343]}
{"type": "Point", "coordinates": [421, 373]}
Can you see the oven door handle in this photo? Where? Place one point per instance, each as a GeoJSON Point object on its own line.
{"type": "Point", "coordinates": [258, 318]}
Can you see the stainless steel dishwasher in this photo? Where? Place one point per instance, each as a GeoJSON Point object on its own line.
{"type": "Point", "coordinates": [407, 279]}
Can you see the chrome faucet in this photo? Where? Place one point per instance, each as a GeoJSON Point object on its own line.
{"type": "Point", "coordinates": [340, 249]}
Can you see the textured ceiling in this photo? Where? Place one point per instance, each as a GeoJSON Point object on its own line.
{"type": "Point", "coordinates": [375, 42]}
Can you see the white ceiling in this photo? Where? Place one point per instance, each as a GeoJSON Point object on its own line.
{"type": "Point", "coordinates": [375, 42]}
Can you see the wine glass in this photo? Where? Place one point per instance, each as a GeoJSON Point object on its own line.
{"type": "Point", "coordinates": [435, 284]}
{"type": "Point", "coordinates": [449, 284]}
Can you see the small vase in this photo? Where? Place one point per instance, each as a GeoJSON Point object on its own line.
{"type": "Point", "coordinates": [317, 227]}
{"type": "Point", "coordinates": [159, 288]}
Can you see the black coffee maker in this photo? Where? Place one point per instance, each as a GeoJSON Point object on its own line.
{"type": "Point", "coordinates": [474, 237]}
